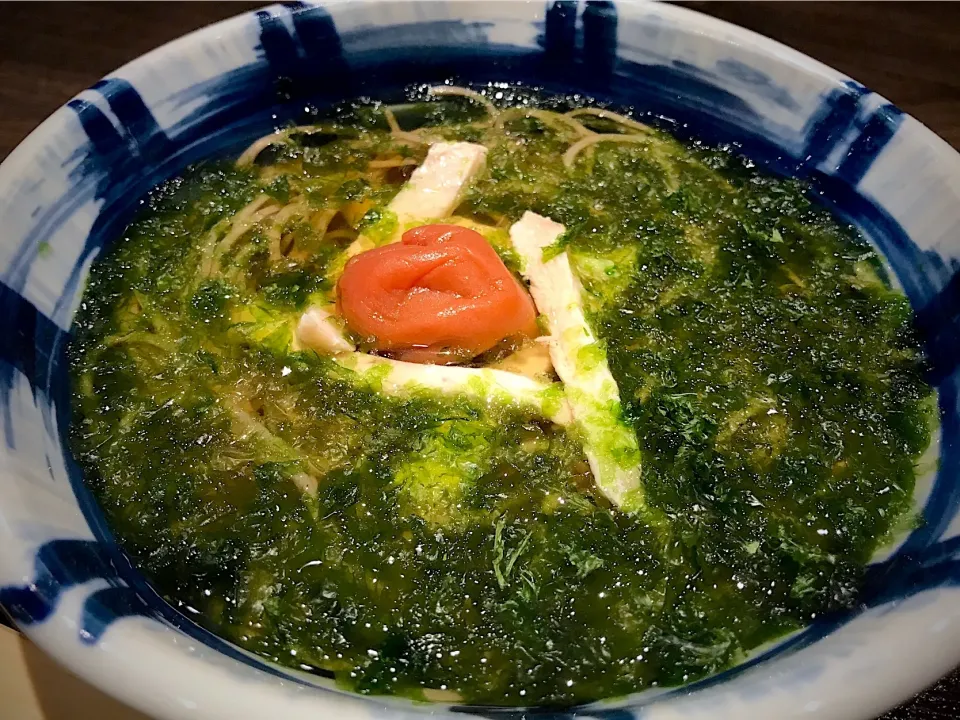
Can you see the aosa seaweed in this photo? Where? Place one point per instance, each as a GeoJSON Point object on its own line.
{"type": "Point", "coordinates": [441, 548]}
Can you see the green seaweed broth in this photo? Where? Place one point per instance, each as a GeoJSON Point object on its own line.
{"type": "Point", "coordinates": [443, 548]}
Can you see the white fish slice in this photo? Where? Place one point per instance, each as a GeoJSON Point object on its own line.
{"type": "Point", "coordinates": [580, 361]}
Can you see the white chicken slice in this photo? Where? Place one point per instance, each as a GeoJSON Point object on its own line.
{"type": "Point", "coordinates": [437, 186]}
{"type": "Point", "coordinates": [434, 190]}
{"type": "Point", "coordinates": [580, 361]}
{"type": "Point", "coordinates": [532, 360]}
{"type": "Point", "coordinates": [318, 329]}
{"type": "Point", "coordinates": [401, 379]}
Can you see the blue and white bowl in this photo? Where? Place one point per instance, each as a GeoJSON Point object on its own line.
{"type": "Point", "coordinates": [70, 188]}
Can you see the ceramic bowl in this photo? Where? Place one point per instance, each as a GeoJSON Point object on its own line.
{"type": "Point", "coordinates": [71, 186]}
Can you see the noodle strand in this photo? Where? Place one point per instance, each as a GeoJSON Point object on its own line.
{"type": "Point", "coordinates": [545, 116]}
{"type": "Point", "coordinates": [392, 121]}
{"type": "Point", "coordinates": [609, 115]}
{"type": "Point", "coordinates": [242, 222]}
{"type": "Point", "coordinates": [392, 163]}
{"type": "Point", "coordinates": [444, 90]}
{"type": "Point", "coordinates": [570, 156]}
{"type": "Point", "coordinates": [275, 231]}
{"type": "Point", "coordinates": [398, 132]}
{"type": "Point", "coordinates": [277, 137]}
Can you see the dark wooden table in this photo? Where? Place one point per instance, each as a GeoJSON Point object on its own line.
{"type": "Point", "coordinates": [908, 52]}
